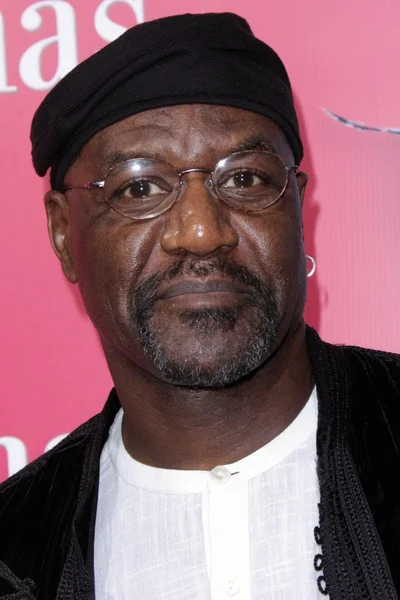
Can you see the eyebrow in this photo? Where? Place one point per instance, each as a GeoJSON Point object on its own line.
{"type": "Point", "coordinates": [254, 142]}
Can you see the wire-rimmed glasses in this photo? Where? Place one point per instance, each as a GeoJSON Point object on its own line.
{"type": "Point", "coordinates": [143, 188]}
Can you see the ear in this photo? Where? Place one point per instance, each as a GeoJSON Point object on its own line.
{"type": "Point", "coordinates": [302, 180]}
{"type": "Point", "coordinates": [59, 227]}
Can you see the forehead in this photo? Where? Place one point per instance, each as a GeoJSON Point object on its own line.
{"type": "Point", "coordinates": [185, 134]}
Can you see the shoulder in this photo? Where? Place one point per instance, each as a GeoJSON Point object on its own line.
{"type": "Point", "coordinates": [368, 364]}
{"type": "Point", "coordinates": [65, 459]}
{"type": "Point", "coordinates": [39, 504]}
{"type": "Point", "coordinates": [371, 376]}
{"type": "Point", "coordinates": [373, 379]}
{"type": "Point", "coordinates": [370, 353]}
{"type": "Point", "coordinates": [70, 449]}
{"type": "Point", "coordinates": [373, 364]}
{"type": "Point", "coordinates": [37, 499]}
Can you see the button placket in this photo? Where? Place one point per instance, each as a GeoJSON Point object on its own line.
{"type": "Point", "coordinates": [228, 535]}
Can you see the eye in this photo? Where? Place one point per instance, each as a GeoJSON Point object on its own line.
{"type": "Point", "coordinates": [242, 180]}
{"type": "Point", "coordinates": [142, 188]}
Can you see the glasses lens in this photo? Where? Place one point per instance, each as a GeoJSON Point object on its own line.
{"type": "Point", "coordinates": [250, 180]}
{"type": "Point", "coordinates": [141, 188]}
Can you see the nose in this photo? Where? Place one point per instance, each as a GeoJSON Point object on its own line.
{"type": "Point", "coordinates": [199, 222]}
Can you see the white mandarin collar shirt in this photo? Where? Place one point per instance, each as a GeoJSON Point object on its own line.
{"type": "Point", "coordinates": [243, 530]}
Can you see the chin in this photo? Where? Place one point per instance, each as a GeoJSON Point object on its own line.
{"type": "Point", "coordinates": [211, 347]}
{"type": "Point", "coordinates": [208, 361]}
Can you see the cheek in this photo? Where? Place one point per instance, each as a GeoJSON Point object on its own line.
{"type": "Point", "coordinates": [274, 237]}
{"type": "Point", "coordinates": [273, 241]}
{"type": "Point", "coordinates": [109, 255]}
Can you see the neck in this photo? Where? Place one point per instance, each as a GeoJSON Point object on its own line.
{"type": "Point", "coordinates": [181, 428]}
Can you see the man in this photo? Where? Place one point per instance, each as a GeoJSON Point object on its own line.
{"type": "Point", "coordinates": [238, 455]}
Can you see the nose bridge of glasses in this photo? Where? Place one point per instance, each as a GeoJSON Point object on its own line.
{"type": "Point", "coordinates": [208, 181]}
{"type": "Point", "coordinates": [194, 170]}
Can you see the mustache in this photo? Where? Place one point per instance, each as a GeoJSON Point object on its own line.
{"type": "Point", "coordinates": [145, 294]}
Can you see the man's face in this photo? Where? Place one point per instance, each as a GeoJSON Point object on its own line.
{"type": "Point", "coordinates": [203, 294]}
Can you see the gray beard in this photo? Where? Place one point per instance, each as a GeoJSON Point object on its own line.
{"type": "Point", "coordinates": [206, 322]}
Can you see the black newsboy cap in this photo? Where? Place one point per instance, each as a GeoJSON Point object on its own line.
{"type": "Point", "coordinates": [208, 58]}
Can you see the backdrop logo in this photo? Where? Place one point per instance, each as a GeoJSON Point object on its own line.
{"type": "Point", "coordinates": [64, 38]}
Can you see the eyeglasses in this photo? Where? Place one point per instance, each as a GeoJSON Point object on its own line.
{"type": "Point", "coordinates": [143, 188]}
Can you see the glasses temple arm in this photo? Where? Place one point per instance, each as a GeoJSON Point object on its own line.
{"type": "Point", "coordinates": [85, 186]}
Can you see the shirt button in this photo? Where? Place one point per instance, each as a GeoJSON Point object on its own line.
{"type": "Point", "coordinates": [220, 474]}
{"type": "Point", "coordinates": [232, 586]}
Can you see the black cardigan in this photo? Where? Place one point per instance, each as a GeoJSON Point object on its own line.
{"type": "Point", "coordinates": [48, 510]}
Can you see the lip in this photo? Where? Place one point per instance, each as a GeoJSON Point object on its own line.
{"type": "Point", "coordinates": [184, 288]}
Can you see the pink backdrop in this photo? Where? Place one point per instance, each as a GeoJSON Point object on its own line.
{"type": "Point", "coordinates": [341, 56]}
